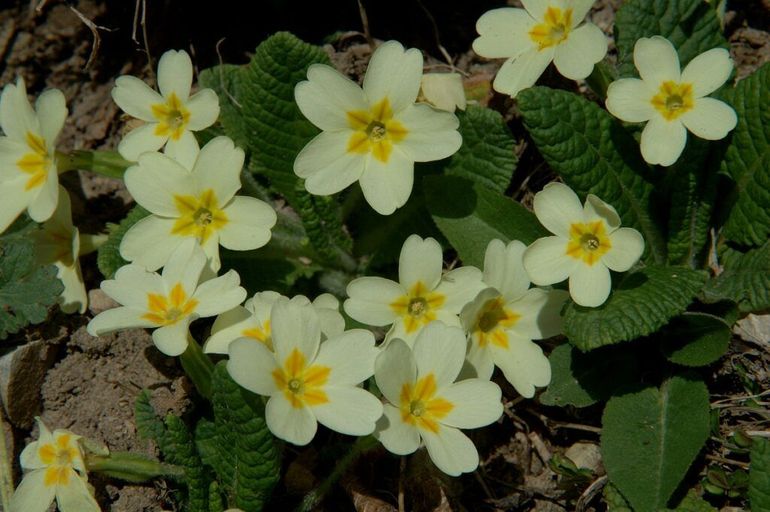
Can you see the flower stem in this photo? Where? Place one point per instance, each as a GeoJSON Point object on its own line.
{"type": "Point", "coordinates": [197, 366]}
{"type": "Point", "coordinates": [106, 163]}
{"type": "Point", "coordinates": [601, 78]}
{"type": "Point", "coordinates": [131, 467]}
{"type": "Point", "coordinates": [6, 475]}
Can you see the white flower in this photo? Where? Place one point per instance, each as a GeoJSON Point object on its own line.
{"type": "Point", "coordinates": [28, 175]}
{"type": "Point", "coordinates": [308, 382]}
{"type": "Point", "coordinates": [672, 102]}
{"type": "Point", "coordinates": [53, 468]}
{"type": "Point", "coordinates": [198, 203]}
{"type": "Point", "coordinates": [372, 135]}
{"type": "Point", "coordinates": [444, 91]}
{"type": "Point", "coordinates": [530, 38]}
{"type": "Point", "coordinates": [589, 242]}
{"type": "Point", "coordinates": [427, 404]}
{"type": "Point", "coordinates": [58, 243]}
{"type": "Point", "coordinates": [170, 116]}
{"type": "Point", "coordinates": [421, 295]}
{"type": "Point", "coordinates": [503, 320]}
{"type": "Point", "coordinates": [252, 320]}
{"type": "Point", "coordinates": [167, 302]}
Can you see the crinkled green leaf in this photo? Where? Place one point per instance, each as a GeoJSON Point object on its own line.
{"type": "Point", "coordinates": [692, 27]}
{"type": "Point", "coordinates": [179, 448]}
{"type": "Point", "coordinates": [695, 339]}
{"type": "Point", "coordinates": [692, 503]}
{"type": "Point", "coordinates": [108, 258]}
{"type": "Point", "coordinates": [748, 160]}
{"type": "Point", "coordinates": [580, 380]}
{"type": "Point", "coordinates": [651, 436]}
{"type": "Point", "coordinates": [745, 280]}
{"type": "Point", "coordinates": [615, 501]}
{"type": "Point", "coordinates": [593, 154]}
{"type": "Point", "coordinates": [643, 302]}
{"type": "Point", "coordinates": [223, 79]}
{"type": "Point", "coordinates": [759, 475]}
{"type": "Point", "coordinates": [27, 289]}
{"type": "Point", "coordinates": [470, 215]}
{"type": "Point", "coordinates": [487, 155]}
{"type": "Point", "coordinates": [148, 424]}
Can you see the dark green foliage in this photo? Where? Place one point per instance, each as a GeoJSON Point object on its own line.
{"type": "Point", "coordinates": [108, 259]}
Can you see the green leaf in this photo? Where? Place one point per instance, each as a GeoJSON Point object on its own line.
{"type": "Point", "coordinates": [470, 215]}
{"type": "Point", "coordinates": [148, 424]}
{"type": "Point", "coordinates": [695, 339]}
{"type": "Point", "coordinates": [593, 154]}
{"type": "Point", "coordinates": [27, 289]}
{"type": "Point", "coordinates": [487, 155]}
{"type": "Point", "coordinates": [179, 448]}
{"type": "Point", "coordinates": [748, 160]}
{"type": "Point", "coordinates": [615, 501]}
{"type": "Point", "coordinates": [643, 302]}
{"type": "Point", "coordinates": [650, 437]}
{"type": "Point", "coordinates": [692, 27]}
{"type": "Point", "coordinates": [581, 380]}
{"type": "Point", "coordinates": [108, 258]}
{"type": "Point", "coordinates": [759, 475]}
{"type": "Point", "coordinates": [745, 280]}
{"type": "Point", "coordinates": [224, 80]}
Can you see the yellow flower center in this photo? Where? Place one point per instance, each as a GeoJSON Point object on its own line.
{"type": "Point", "coordinates": [261, 334]}
{"type": "Point", "coordinates": [420, 406]}
{"type": "Point", "coordinates": [198, 216]}
{"type": "Point", "coordinates": [588, 242]}
{"type": "Point", "coordinates": [673, 99]}
{"type": "Point", "coordinates": [554, 29]}
{"type": "Point", "coordinates": [36, 162]}
{"type": "Point", "coordinates": [418, 307]}
{"type": "Point", "coordinates": [59, 456]}
{"type": "Point", "coordinates": [172, 117]}
{"type": "Point", "coordinates": [491, 321]}
{"type": "Point", "coordinates": [375, 131]}
{"type": "Point", "coordinates": [168, 310]}
{"type": "Point", "coordinates": [302, 384]}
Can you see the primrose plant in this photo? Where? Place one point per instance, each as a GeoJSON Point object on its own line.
{"type": "Point", "coordinates": [286, 181]}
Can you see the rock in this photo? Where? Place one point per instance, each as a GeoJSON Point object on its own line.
{"type": "Point", "coordinates": [586, 455]}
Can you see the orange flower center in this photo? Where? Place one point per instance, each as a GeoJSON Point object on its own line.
{"type": "Point", "coordinates": [36, 162]}
{"type": "Point", "coordinates": [59, 456]}
{"type": "Point", "coordinates": [418, 307]}
{"type": "Point", "coordinates": [169, 310]}
{"type": "Point", "coordinates": [172, 117]}
{"type": "Point", "coordinates": [302, 384]}
{"type": "Point", "coordinates": [491, 322]}
{"type": "Point", "coordinates": [421, 407]}
{"type": "Point", "coordinates": [554, 29]}
{"type": "Point", "coordinates": [375, 131]}
{"type": "Point", "coordinates": [198, 216]}
{"type": "Point", "coordinates": [588, 241]}
{"type": "Point", "coordinates": [673, 99]}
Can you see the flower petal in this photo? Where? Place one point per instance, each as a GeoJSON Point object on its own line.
{"type": "Point", "coordinates": [296, 425]}
{"type": "Point", "coordinates": [540, 312]}
{"type": "Point", "coordinates": [580, 8]}
{"type": "Point", "coordinates": [350, 410]}
{"type": "Point", "coordinates": [149, 243]}
{"type": "Point", "coordinates": [172, 339]}
{"type": "Point", "coordinates": [451, 450]}
{"type": "Point", "coordinates": [227, 327]}
{"type": "Point", "coordinates": [370, 300]}
{"type": "Point", "coordinates": [16, 114]}
{"type": "Point", "coordinates": [350, 356]}
{"type": "Point", "coordinates": [117, 319]}
{"type": "Point", "coordinates": [184, 266]}
{"type": "Point", "coordinates": [522, 72]}
{"type": "Point", "coordinates": [204, 109]}
{"type": "Point", "coordinates": [175, 74]}
{"type": "Point", "coordinates": [656, 60]}
{"type": "Point", "coordinates": [294, 326]}
{"type": "Point", "coordinates": [503, 33]}
{"type": "Point", "coordinates": [75, 496]}
{"type": "Point", "coordinates": [251, 365]}
{"type": "Point", "coordinates": [628, 99]}
{"type": "Point", "coordinates": [476, 403]}
{"type": "Point", "coordinates": [420, 261]}
{"type": "Point", "coordinates": [328, 308]}
{"type": "Point", "coordinates": [480, 361]}
{"type": "Point", "coordinates": [393, 73]}
{"type": "Point", "coordinates": [32, 495]}
{"type": "Point", "coordinates": [710, 119]}
{"type": "Point", "coordinates": [51, 113]}
{"type": "Point", "coordinates": [708, 71]}
{"type": "Point", "coordinates": [596, 209]}
{"type": "Point", "coordinates": [557, 207]}
{"type": "Point", "coordinates": [14, 199]}
{"type": "Point", "coordinates": [140, 140]}
{"type": "Point", "coordinates": [218, 168]}
{"type": "Point", "coordinates": [459, 287]}
{"type": "Point", "coordinates": [536, 8]}
{"type": "Point", "coordinates": [394, 367]}
{"type": "Point", "coordinates": [504, 268]}
{"type": "Point", "coordinates": [156, 180]}
{"type": "Point", "coordinates": [395, 435]}
{"type": "Point", "coordinates": [131, 285]}
{"type": "Point", "coordinates": [440, 349]}
{"type": "Point", "coordinates": [44, 203]}
{"type": "Point", "coordinates": [523, 364]}
{"type": "Point", "coordinates": [663, 141]}
{"type": "Point", "coordinates": [589, 286]}
{"type": "Point", "coordinates": [249, 222]}
{"type": "Point", "coordinates": [627, 248]}
{"type": "Point", "coordinates": [387, 186]}
{"type": "Point", "coordinates": [327, 96]}
{"type": "Point", "coordinates": [327, 165]}
{"type": "Point", "coordinates": [585, 46]}
{"type": "Point", "coordinates": [220, 294]}
{"type": "Point", "coordinates": [136, 98]}
{"type": "Point", "coordinates": [432, 134]}
{"type": "Point", "coordinates": [547, 261]}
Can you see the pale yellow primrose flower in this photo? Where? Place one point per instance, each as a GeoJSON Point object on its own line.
{"type": "Point", "coordinates": [672, 102]}
{"type": "Point", "coordinates": [375, 134]}
{"type": "Point", "coordinates": [252, 320]}
{"type": "Point", "coordinates": [444, 91]}
{"type": "Point", "coordinates": [170, 116]}
{"type": "Point", "coordinates": [421, 295]}
{"type": "Point", "coordinates": [425, 402]}
{"type": "Point", "coordinates": [530, 38]}
{"type": "Point", "coordinates": [589, 242]}
{"type": "Point", "coordinates": [199, 203]}
{"type": "Point", "coordinates": [308, 382]}
{"type": "Point", "coordinates": [53, 468]}
{"type": "Point", "coordinates": [503, 320]}
{"type": "Point", "coordinates": [28, 175]}
{"type": "Point", "coordinates": [168, 302]}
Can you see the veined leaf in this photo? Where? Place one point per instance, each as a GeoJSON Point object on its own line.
{"type": "Point", "coordinates": [642, 303]}
{"type": "Point", "coordinates": [108, 258]}
{"type": "Point", "coordinates": [692, 27]}
{"type": "Point", "coordinates": [651, 436]}
{"type": "Point", "coordinates": [695, 339]}
{"type": "Point", "coordinates": [179, 448]}
{"type": "Point", "coordinates": [759, 475]}
{"type": "Point", "coordinates": [748, 160]}
{"type": "Point", "coordinates": [745, 280]}
{"type": "Point", "coordinates": [594, 155]}
{"type": "Point", "coordinates": [470, 215]}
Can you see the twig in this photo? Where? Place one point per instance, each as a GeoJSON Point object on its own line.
{"type": "Point", "coordinates": [590, 492]}
{"type": "Point", "coordinates": [6, 475]}
{"type": "Point", "coordinates": [729, 462]}
{"type": "Point", "coordinates": [436, 35]}
{"type": "Point", "coordinates": [143, 24]}
{"type": "Point", "coordinates": [365, 24]}
{"type": "Point", "coordinates": [94, 28]}
{"type": "Point", "coordinates": [222, 75]}
{"type": "Point", "coordinates": [401, 471]}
